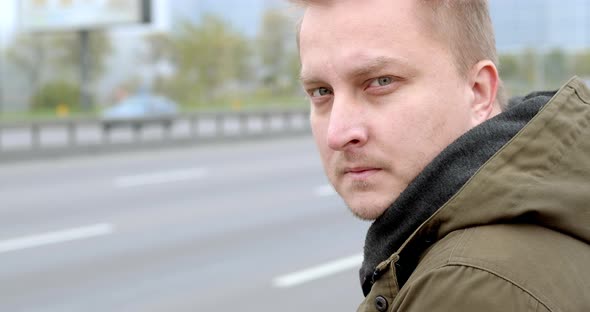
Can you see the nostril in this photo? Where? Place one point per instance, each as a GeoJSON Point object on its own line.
{"type": "Point", "coordinates": [343, 138]}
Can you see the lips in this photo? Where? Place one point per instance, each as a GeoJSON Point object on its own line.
{"type": "Point", "coordinates": [361, 173]}
{"type": "Point", "coordinates": [360, 169]}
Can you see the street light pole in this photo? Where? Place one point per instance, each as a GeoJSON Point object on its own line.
{"type": "Point", "coordinates": [84, 70]}
{"type": "Point", "coordinates": [2, 54]}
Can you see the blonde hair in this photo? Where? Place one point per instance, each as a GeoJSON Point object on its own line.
{"type": "Point", "coordinates": [465, 25]}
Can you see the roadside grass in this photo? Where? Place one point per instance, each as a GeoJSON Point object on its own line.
{"type": "Point", "coordinates": [245, 103]}
{"type": "Point", "coordinates": [235, 103]}
{"type": "Point", "coordinates": [43, 115]}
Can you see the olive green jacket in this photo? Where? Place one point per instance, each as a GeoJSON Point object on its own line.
{"type": "Point", "coordinates": [483, 257]}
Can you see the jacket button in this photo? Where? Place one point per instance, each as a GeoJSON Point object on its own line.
{"type": "Point", "coordinates": [381, 304]}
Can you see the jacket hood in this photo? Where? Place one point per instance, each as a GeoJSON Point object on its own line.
{"type": "Point", "coordinates": [541, 176]}
{"type": "Point", "coordinates": [530, 164]}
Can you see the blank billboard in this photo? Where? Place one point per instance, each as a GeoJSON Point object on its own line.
{"type": "Point", "coordinates": [56, 15]}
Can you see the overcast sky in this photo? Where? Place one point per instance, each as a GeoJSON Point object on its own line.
{"type": "Point", "coordinates": [7, 17]}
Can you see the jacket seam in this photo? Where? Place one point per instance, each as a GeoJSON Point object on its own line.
{"type": "Point", "coordinates": [568, 92]}
{"type": "Point", "coordinates": [582, 96]}
{"type": "Point", "coordinates": [392, 282]}
{"type": "Point", "coordinates": [459, 241]}
{"type": "Point", "coordinates": [561, 151]}
{"type": "Point", "coordinates": [498, 275]}
{"type": "Point", "coordinates": [557, 153]}
{"type": "Point", "coordinates": [535, 303]}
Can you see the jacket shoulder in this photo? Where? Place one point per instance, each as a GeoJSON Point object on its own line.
{"type": "Point", "coordinates": [544, 264]}
{"type": "Point", "coordinates": [464, 288]}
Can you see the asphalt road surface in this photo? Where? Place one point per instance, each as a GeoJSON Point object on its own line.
{"type": "Point", "coordinates": [223, 227]}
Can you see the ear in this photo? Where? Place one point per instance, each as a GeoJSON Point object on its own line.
{"type": "Point", "coordinates": [484, 85]}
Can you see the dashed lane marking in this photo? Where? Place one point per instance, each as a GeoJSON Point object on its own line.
{"type": "Point", "coordinates": [160, 177]}
{"type": "Point", "coordinates": [56, 237]}
{"type": "Point", "coordinates": [317, 272]}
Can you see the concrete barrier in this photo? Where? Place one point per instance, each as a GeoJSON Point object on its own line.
{"type": "Point", "coordinates": [26, 140]}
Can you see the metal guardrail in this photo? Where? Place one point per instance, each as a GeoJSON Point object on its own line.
{"type": "Point", "coordinates": [22, 140]}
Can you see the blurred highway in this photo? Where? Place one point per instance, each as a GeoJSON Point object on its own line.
{"type": "Point", "coordinates": [248, 227]}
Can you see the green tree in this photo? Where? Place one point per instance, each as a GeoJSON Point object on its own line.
{"type": "Point", "coordinates": [159, 47]}
{"type": "Point", "coordinates": [30, 55]}
{"type": "Point", "coordinates": [159, 50]}
{"type": "Point", "coordinates": [45, 57]}
{"type": "Point", "coordinates": [529, 68]}
{"type": "Point", "coordinates": [582, 63]}
{"type": "Point", "coordinates": [293, 70]}
{"type": "Point", "coordinates": [69, 48]}
{"type": "Point", "coordinates": [55, 93]}
{"type": "Point", "coordinates": [210, 58]}
{"type": "Point", "coordinates": [276, 51]}
{"type": "Point", "coordinates": [509, 67]}
{"type": "Point", "coordinates": [556, 66]}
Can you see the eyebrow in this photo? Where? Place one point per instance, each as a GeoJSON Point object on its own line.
{"type": "Point", "coordinates": [364, 69]}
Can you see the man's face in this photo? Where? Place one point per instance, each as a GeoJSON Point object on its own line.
{"type": "Point", "coordinates": [385, 97]}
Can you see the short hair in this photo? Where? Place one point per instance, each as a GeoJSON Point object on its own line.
{"type": "Point", "coordinates": [465, 25]}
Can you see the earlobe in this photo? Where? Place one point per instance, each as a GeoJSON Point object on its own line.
{"type": "Point", "coordinates": [485, 82]}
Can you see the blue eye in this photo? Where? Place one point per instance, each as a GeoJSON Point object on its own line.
{"type": "Point", "coordinates": [381, 82]}
{"type": "Point", "coordinates": [321, 92]}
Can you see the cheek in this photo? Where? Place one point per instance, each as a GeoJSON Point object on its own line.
{"type": "Point", "coordinates": [438, 125]}
{"type": "Point", "coordinates": [413, 130]}
{"type": "Point", "coordinates": [411, 115]}
{"type": "Point", "coordinates": [436, 107]}
{"type": "Point", "coordinates": [319, 128]}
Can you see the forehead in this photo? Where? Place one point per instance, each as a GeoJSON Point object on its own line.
{"type": "Point", "coordinates": [341, 31]}
{"type": "Point", "coordinates": [353, 16]}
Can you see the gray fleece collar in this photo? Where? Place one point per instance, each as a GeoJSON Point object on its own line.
{"type": "Point", "coordinates": [438, 182]}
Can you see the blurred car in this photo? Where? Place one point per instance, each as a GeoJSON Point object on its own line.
{"type": "Point", "coordinates": [138, 110]}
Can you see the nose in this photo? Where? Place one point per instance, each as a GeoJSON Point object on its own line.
{"type": "Point", "coordinates": [347, 128]}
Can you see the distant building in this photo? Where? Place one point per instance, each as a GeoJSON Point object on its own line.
{"type": "Point", "coordinates": [541, 24]}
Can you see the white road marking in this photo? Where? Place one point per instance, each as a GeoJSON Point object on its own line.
{"type": "Point", "coordinates": [320, 271]}
{"type": "Point", "coordinates": [56, 237]}
{"type": "Point", "coordinates": [325, 190]}
{"type": "Point", "coordinates": [160, 177]}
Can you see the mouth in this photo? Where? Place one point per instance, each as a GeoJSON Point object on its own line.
{"type": "Point", "coordinates": [361, 173]}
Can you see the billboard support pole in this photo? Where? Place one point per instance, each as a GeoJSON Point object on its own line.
{"type": "Point", "coordinates": [85, 102]}
{"type": "Point", "coordinates": [2, 70]}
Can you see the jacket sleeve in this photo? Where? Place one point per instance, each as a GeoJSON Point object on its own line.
{"type": "Point", "coordinates": [462, 288]}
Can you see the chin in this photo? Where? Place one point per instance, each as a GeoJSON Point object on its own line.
{"type": "Point", "coordinates": [367, 205]}
{"type": "Point", "coordinates": [367, 211]}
